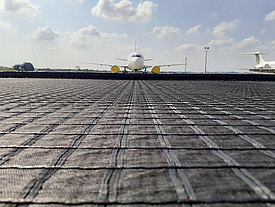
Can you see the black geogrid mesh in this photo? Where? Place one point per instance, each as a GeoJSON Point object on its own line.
{"type": "Point", "coordinates": [119, 142]}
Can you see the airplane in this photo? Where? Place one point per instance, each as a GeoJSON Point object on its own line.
{"type": "Point", "coordinates": [262, 65]}
{"type": "Point", "coordinates": [135, 63]}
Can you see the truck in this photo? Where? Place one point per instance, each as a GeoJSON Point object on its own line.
{"type": "Point", "coordinates": [26, 66]}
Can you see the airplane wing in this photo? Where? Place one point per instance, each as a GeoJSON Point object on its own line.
{"type": "Point", "coordinates": [101, 64]}
{"type": "Point", "coordinates": [123, 59]}
{"type": "Point", "coordinates": [123, 66]}
{"type": "Point", "coordinates": [147, 66]}
{"type": "Point", "coordinates": [168, 65]}
{"type": "Point", "coordinates": [104, 64]}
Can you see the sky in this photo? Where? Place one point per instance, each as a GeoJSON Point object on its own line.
{"type": "Point", "coordinates": [66, 33]}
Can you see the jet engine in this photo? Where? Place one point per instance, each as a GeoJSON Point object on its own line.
{"type": "Point", "coordinates": [267, 66]}
{"type": "Point", "coordinates": [115, 69]}
{"type": "Point", "coordinates": [155, 69]}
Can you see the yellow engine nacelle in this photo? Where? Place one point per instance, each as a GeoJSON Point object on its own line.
{"type": "Point", "coordinates": [115, 69]}
{"type": "Point", "coordinates": [155, 69]}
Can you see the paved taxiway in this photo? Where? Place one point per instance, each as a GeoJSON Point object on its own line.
{"type": "Point", "coordinates": [126, 142]}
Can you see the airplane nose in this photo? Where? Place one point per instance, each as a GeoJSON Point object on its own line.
{"type": "Point", "coordinates": [137, 64]}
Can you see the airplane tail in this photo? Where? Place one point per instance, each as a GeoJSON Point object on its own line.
{"type": "Point", "coordinates": [258, 56]}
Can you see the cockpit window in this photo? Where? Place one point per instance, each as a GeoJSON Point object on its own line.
{"type": "Point", "coordinates": [135, 55]}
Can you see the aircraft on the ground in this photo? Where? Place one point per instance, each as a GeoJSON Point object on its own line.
{"type": "Point", "coordinates": [135, 63]}
{"type": "Point", "coordinates": [262, 65]}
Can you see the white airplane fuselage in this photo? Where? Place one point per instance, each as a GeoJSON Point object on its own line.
{"type": "Point", "coordinates": [135, 61]}
{"type": "Point", "coordinates": [266, 65]}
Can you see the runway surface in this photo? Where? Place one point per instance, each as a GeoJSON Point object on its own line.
{"type": "Point", "coordinates": [135, 143]}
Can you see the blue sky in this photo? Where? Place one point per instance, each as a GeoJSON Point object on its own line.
{"type": "Point", "coordinates": [66, 33]}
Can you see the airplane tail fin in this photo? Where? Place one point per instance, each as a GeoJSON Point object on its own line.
{"type": "Point", "coordinates": [258, 56]}
{"type": "Point", "coordinates": [135, 45]}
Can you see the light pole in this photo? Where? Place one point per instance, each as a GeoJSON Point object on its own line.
{"type": "Point", "coordinates": [185, 63]}
{"type": "Point", "coordinates": [206, 50]}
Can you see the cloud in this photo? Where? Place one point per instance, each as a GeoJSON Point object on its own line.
{"type": "Point", "coordinates": [188, 47]}
{"type": "Point", "coordinates": [20, 7]}
{"type": "Point", "coordinates": [117, 36]}
{"type": "Point", "coordinates": [119, 49]}
{"type": "Point", "coordinates": [29, 47]}
{"type": "Point", "coordinates": [80, 1]}
{"type": "Point", "coordinates": [223, 27]}
{"type": "Point", "coordinates": [194, 30]}
{"type": "Point", "coordinates": [221, 42]}
{"type": "Point", "coordinates": [165, 53]}
{"type": "Point", "coordinates": [44, 34]}
{"type": "Point", "coordinates": [123, 11]}
{"type": "Point", "coordinates": [5, 25]}
{"type": "Point", "coordinates": [88, 36]}
{"type": "Point", "coordinates": [8, 28]}
{"type": "Point", "coordinates": [165, 32]}
{"type": "Point", "coordinates": [270, 16]}
{"type": "Point", "coordinates": [56, 49]}
{"type": "Point", "coordinates": [248, 44]}
{"type": "Point", "coordinates": [263, 31]}
{"type": "Point", "coordinates": [271, 43]}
